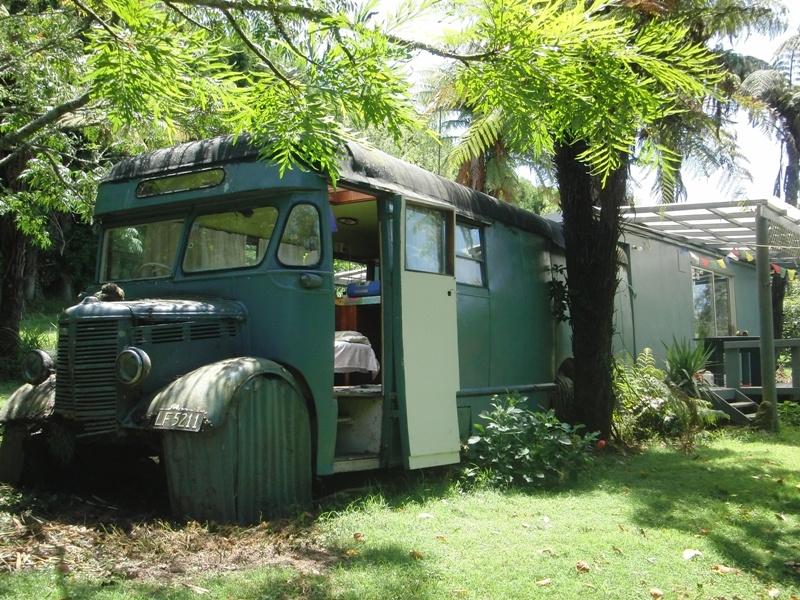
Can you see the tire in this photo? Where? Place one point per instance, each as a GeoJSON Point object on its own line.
{"type": "Point", "coordinates": [12, 453]}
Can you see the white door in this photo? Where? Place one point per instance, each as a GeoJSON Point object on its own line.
{"type": "Point", "coordinates": [428, 366]}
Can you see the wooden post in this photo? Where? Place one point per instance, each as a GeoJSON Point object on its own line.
{"type": "Point", "coordinates": [764, 278]}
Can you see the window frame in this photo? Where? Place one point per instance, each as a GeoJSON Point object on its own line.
{"type": "Point", "coordinates": [481, 262]}
{"type": "Point", "coordinates": [731, 316]}
{"type": "Point", "coordinates": [446, 237]}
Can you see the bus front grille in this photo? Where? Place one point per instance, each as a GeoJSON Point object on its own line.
{"type": "Point", "coordinates": [85, 377]}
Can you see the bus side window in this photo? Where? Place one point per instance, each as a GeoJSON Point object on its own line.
{"type": "Point", "coordinates": [300, 244]}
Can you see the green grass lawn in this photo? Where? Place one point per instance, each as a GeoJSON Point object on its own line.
{"type": "Point", "coordinates": [721, 523]}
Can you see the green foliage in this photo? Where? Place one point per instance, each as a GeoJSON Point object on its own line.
{"type": "Point", "coordinates": [521, 447]}
{"type": "Point", "coordinates": [684, 363]}
{"type": "Point", "coordinates": [649, 404]}
{"type": "Point", "coordinates": [559, 293]}
{"type": "Point", "coordinates": [584, 72]}
{"type": "Point", "coordinates": [789, 414]}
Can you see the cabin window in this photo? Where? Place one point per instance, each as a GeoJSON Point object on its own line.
{"type": "Point", "coordinates": [301, 242]}
{"type": "Point", "coordinates": [143, 251]}
{"type": "Point", "coordinates": [229, 240]}
{"type": "Point", "coordinates": [182, 182]}
{"type": "Point", "coordinates": [470, 261]}
{"type": "Point", "coordinates": [712, 304]}
{"type": "Point", "coordinates": [428, 235]}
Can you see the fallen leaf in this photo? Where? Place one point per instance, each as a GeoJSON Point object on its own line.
{"type": "Point", "coordinates": [548, 551]}
{"type": "Point", "coordinates": [644, 474]}
{"type": "Point", "coordinates": [780, 516]}
{"type": "Point", "coordinates": [689, 554]}
{"type": "Point", "coordinates": [703, 530]}
{"type": "Point", "coordinates": [583, 567]}
{"type": "Point", "coordinates": [526, 525]}
{"type": "Point", "coordinates": [774, 593]}
{"type": "Point", "coordinates": [723, 570]}
{"type": "Point", "coordinates": [351, 552]}
{"type": "Point", "coordinates": [779, 481]}
{"type": "Point", "coordinates": [544, 581]}
{"type": "Point", "coordinates": [617, 549]}
{"type": "Point", "coordinates": [197, 589]}
{"type": "Point", "coordinates": [621, 528]}
{"type": "Point", "coordinates": [656, 593]}
{"type": "Point", "coordinates": [441, 538]}
{"type": "Point", "coordinates": [425, 516]}
{"type": "Point", "coordinates": [359, 537]}
{"type": "Point", "coordinates": [415, 555]}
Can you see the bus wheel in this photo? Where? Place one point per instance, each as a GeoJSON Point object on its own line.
{"type": "Point", "coordinates": [12, 453]}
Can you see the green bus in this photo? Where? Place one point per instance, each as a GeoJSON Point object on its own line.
{"type": "Point", "coordinates": [255, 330]}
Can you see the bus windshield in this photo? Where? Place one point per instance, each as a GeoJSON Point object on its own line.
{"type": "Point", "coordinates": [141, 251]}
{"type": "Point", "coordinates": [225, 240]}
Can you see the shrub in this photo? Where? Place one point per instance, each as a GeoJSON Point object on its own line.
{"type": "Point", "coordinates": [521, 447]}
{"type": "Point", "coordinates": [684, 363]}
{"type": "Point", "coordinates": [789, 413]}
{"type": "Point", "coordinates": [664, 404]}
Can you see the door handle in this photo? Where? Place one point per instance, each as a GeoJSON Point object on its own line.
{"type": "Point", "coordinates": [310, 281]}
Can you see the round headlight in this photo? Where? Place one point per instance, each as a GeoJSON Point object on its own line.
{"type": "Point", "coordinates": [132, 366]}
{"type": "Point", "coordinates": [37, 366]}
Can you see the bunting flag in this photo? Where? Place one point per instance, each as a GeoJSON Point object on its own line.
{"type": "Point", "coordinates": [733, 254]}
{"type": "Point", "coordinates": [776, 268]}
{"type": "Point", "coordinates": [705, 262]}
{"type": "Point", "coordinates": [748, 257]}
{"type": "Point", "coordinates": [792, 274]}
{"type": "Point", "coordinates": [694, 257]}
{"type": "Point", "coordinates": [721, 263]}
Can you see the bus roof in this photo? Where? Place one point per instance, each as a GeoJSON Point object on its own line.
{"type": "Point", "coordinates": [359, 167]}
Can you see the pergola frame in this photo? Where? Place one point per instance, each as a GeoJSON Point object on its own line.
{"type": "Point", "coordinates": [767, 228]}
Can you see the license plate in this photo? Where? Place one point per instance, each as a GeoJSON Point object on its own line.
{"type": "Point", "coordinates": [177, 419]}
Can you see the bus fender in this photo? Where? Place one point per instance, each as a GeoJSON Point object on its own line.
{"type": "Point", "coordinates": [203, 398]}
{"type": "Point", "coordinates": [30, 402]}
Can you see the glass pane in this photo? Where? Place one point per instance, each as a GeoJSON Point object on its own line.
{"type": "Point", "coordinates": [703, 304]}
{"type": "Point", "coordinates": [141, 251]}
{"type": "Point", "coordinates": [425, 240]}
{"type": "Point", "coordinates": [229, 240]}
{"type": "Point", "coordinates": [722, 307]}
{"type": "Point", "coordinates": [300, 244]}
{"type": "Point", "coordinates": [469, 255]}
{"type": "Point", "coordinates": [180, 183]}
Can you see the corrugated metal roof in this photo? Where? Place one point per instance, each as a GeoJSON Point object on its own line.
{"type": "Point", "coordinates": [725, 226]}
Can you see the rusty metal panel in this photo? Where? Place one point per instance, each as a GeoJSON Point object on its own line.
{"type": "Point", "coordinates": [274, 467]}
{"type": "Point", "coordinates": [255, 466]}
{"type": "Point", "coordinates": [201, 473]}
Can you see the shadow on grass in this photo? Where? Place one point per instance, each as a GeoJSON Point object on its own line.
{"type": "Point", "coordinates": [743, 503]}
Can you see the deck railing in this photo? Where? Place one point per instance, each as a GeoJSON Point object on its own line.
{"type": "Point", "coordinates": [741, 352]}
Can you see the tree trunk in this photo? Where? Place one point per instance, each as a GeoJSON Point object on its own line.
{"type": "Point", "coordinates": [792, 175]}
{"type": "Point", "coordinates": [13, 246]}
{"type": "Point", "coordinates": [31, 273]}
{"type": "Point", "coordinates": [591, 253]}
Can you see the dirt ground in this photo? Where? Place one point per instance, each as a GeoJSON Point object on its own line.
{"type": "Point", "coordinates": [119, 527]}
